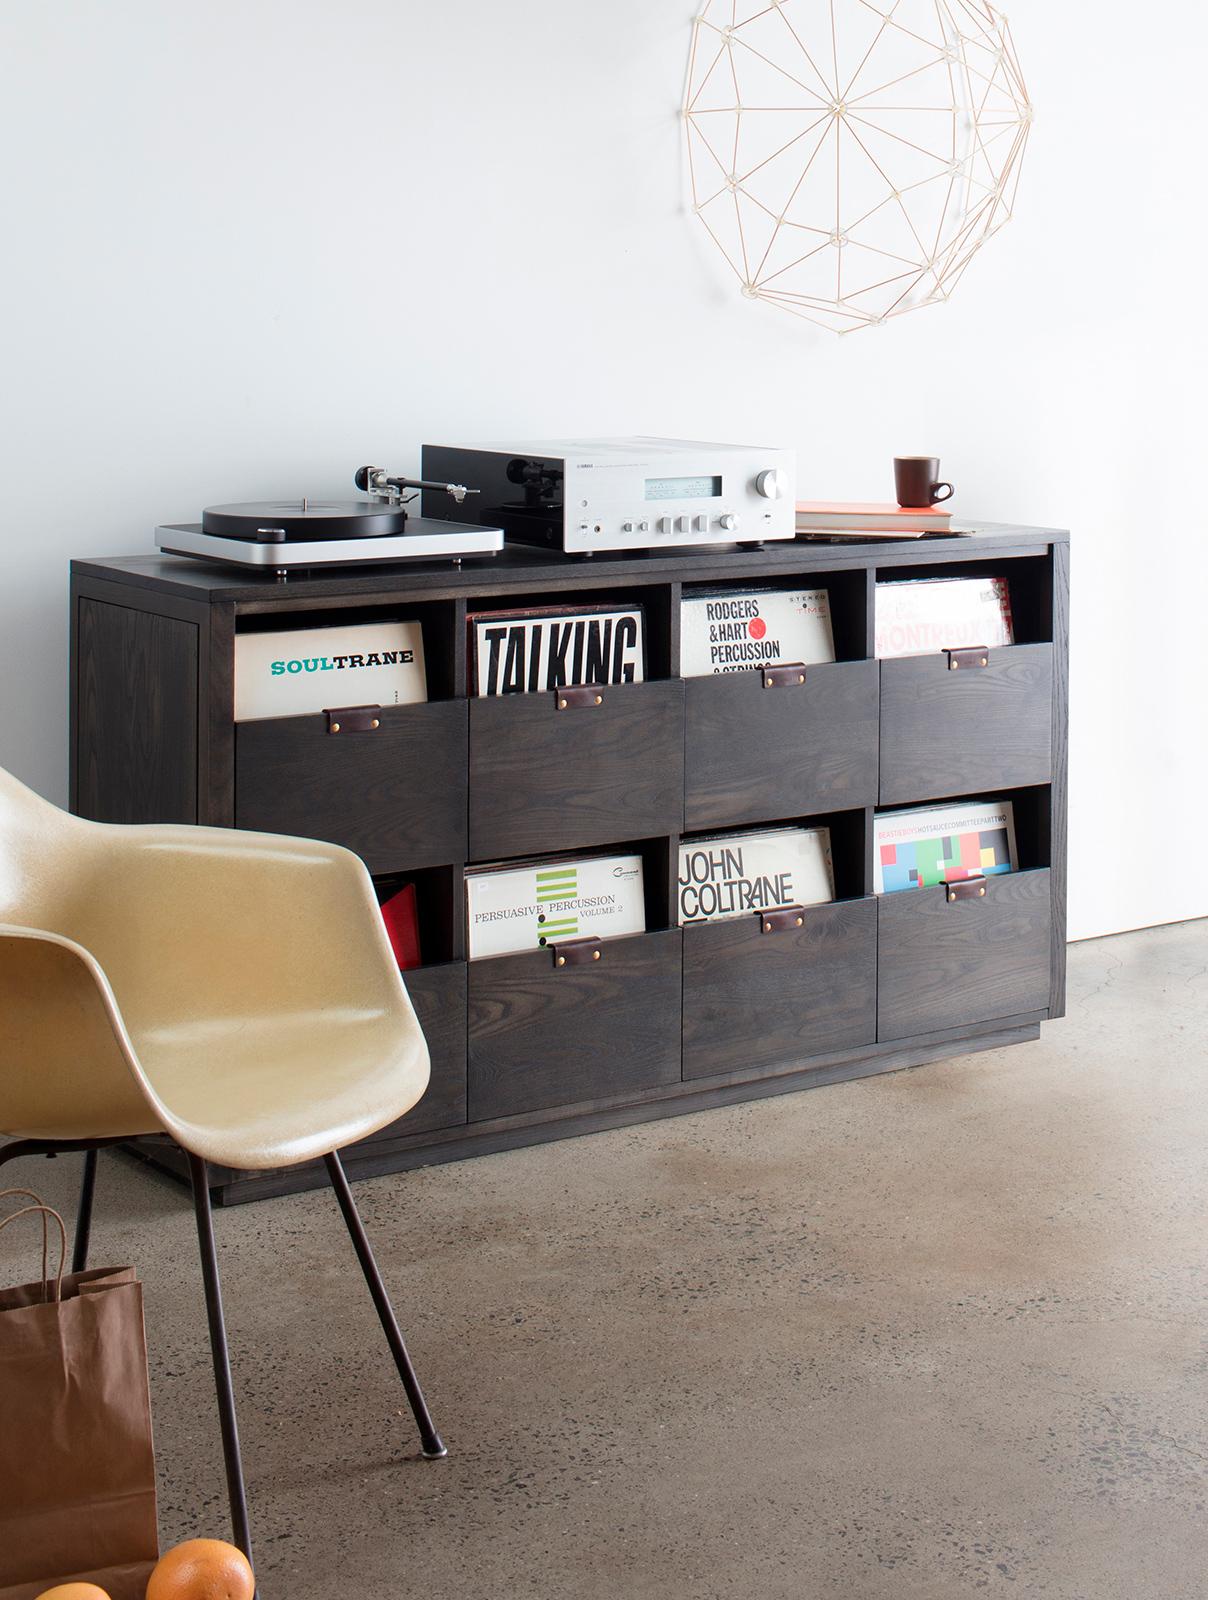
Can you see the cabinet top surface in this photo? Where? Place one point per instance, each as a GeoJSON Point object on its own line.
{"type": "Point", "coordinates": [518, 567]}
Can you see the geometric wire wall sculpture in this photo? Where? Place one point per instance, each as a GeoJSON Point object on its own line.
{"type": "Point", "coordinates": [849, 159]}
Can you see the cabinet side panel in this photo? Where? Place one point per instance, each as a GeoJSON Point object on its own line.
{"type": "Point", "coordinates": [1058, 816]}
{"type": "Point", "coordinates": [135, 732]}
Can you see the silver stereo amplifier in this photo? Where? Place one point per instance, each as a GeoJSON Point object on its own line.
{"type": "Point", "coordinates": [595, 495]}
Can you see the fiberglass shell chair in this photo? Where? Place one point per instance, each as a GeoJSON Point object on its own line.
{"type": "Point", "coordinates": [236, 991]}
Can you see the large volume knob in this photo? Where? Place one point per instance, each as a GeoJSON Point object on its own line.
{"type": "Point", "coordinates": [771, 484]}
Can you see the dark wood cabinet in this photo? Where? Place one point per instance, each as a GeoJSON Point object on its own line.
{"type": "Point", "coordinates": [668, 1020]}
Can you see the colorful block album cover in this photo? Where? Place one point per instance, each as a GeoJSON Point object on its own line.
{"type": "Point", "coordinates": [942, 844]}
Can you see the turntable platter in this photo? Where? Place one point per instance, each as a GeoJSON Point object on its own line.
{"type": "Point", "coordinates": [276, 521]}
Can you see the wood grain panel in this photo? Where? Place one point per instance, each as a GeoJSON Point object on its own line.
{"type": "Point", "coordinates": [136, 715]}
{"type": "Point", "coordinates": [395, 796]}
{"type": "Point", "coordinates": [542, 1036]}
{"type": "Point", "coordinates": [951, 733]}
{"type": "Point", "coordinates": [769, 1000]}
{"type": "Point", "coordinates": [943, 965]}
{"type": "Point", "coordinates": [753, 754]}
{"type": "Point", "coordinates": [543, 779]}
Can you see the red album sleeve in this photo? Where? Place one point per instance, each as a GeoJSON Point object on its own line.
{"type": "Point", "coordinates": [402, 925]}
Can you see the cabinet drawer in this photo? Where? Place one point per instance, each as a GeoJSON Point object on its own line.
{"type": "Point", "coordinates": [772, 1000]}
{"type": "Point", "coordinates": [543, 779]}
{"type": "Point", "coordinates": [942, 964]}
{"type": "Point", "coordinates": [752, 754]}
{"type": "Point", "coordinates": [945, 732]}
{"type": "Point", "coordinates": [541, 1036]}
{"type": "Point", "coordinates": [396, 796]}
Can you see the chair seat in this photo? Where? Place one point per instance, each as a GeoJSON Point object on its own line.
{"type": "Point", "coordinates": [264, 1092]}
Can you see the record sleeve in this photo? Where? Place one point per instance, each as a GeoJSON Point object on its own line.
{"type": "Point", "coordinates": [738, 630]}
{"type": "Point", "coordinates": [555, 647]}
{"type": "Point", "coordinates": [942, 844]}
{"type": "Point", "coordinates": [738, 874]}
{"type": "Point", "coordinates": [534, 903]}
{"type": "Point", "coordinates": [291, 673]}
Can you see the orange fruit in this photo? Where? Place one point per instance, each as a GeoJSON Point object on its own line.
{"type": "Point", "coordinates": [200, 1569]}
{"type": "Point", "coordinates": [74, 1591]}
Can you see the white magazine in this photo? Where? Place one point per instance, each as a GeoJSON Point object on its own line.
{"type": "Point", "coordinates": [289, 674]}
{"type": "Point", "coordinates": [738, 874]}
{"type": "Point", "coordinates": [739, 630]}
{"type": "Point", "coordinates": [545, 902]}
{"type": "Point", "coordinates": [918, 617]}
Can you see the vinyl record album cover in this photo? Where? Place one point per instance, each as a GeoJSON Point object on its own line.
{"type": "Point", "coordinates": [738, 874]}
{"type": "Point", "coordinates": [525, 652]}
{"type": "Point", "coordinates": [916, 617]}
{"type": "Point", "coordinates": [942, 844]}
{"type": "Point", "coordinates": [536, 903]}
{"type": "Point", "coordinates": [302, 670]}
{"type": "Point", "coordinates": [737, 630]}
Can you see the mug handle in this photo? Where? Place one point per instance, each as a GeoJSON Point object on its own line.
{"type": "Point", "coordinates": [936, 498]}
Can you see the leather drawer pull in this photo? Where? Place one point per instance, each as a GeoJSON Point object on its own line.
{"type": "Point", "coordinates": [976, 655]}
{"type": "Point", "coordinates": [577, 952]}
{"type": "Point", "coordinates": [354, 719]}
{"type": "Point", "coordinates": [783, 917]}
{"type": "Point", "coordinates": [966, 889]}
{"type": "Point", "coordinates": [788, 675]}
{"type": "Point", "coordinates": [587, 694]}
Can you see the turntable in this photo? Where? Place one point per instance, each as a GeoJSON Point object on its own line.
{"type": "Point", "coordinates": [278, 536]}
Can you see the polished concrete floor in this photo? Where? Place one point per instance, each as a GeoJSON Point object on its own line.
{"type": "Point", "coordinates": [926, 1335]}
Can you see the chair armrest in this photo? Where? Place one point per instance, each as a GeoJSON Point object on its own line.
{"type": "Point", "coordinates": [67, 1068]}
{"type": "Point", "coordinates": [190, 923]}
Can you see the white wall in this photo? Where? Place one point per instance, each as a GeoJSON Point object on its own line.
{"type": "Point", "coordinates": [250, 244]}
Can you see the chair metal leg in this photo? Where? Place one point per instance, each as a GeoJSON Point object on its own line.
{"type": "Point", "coordinates": [433, 1447]}
{"type": "Point", "coordinates": [83, 1227]}
{"type": "Point", "coordinates": [218, 1346]}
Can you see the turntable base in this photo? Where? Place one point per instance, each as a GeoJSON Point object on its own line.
{"type": "Point", "coordinates": [424, 538]}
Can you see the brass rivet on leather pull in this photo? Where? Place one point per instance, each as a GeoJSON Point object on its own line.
{"type": "Point", "coordinates": [982, 890]}
{"type": "Point", "coordinates": [562, 704]}
{"type": "Point", "coordinates": [375, 723]}
{"type": "Point", "coordinates": [561, 961]}
{"type": "Point", "coordinates": [801, 677]}
{"type": "Point", "coordinates": [800, 921]}
{"type": "Point", "coordinates": [599, 702]}
{"type": "Point", "coordinates": [335, 727]}
{"type": "Point", "coordinates": [595, 955]}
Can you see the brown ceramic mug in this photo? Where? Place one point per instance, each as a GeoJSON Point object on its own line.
{"type": "Point", "coordinates": [917, 480]}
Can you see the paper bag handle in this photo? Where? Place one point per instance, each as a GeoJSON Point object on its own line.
{"type": "Point", "coordinates": [47, 1212]}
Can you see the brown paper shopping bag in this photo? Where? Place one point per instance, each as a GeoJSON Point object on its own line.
{"type": "Point", "coordinates": [77, 1470]}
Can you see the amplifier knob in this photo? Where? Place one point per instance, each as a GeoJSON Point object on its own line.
{"type": "Point", "coordinates": [728, 523]}
{"type": "Point", "coordinates": [771, 484]}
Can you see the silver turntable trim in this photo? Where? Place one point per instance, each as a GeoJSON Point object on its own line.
{"type": "Point", "coordinates": [426, 537]}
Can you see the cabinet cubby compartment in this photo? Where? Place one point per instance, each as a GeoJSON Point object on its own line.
{"type": "Point", "coordinates": [439, 910]}
{"type": "Point", "coordinates": [442, 622]}
{"type": "Point", "coordinates": [542, 779]}
{"type": "Point", "coordinates": [945, 963]}
{"type": "Point", "coordinates": [542, 1036]}
{"type": "Point", "coordinates": [946, 732]}
{"type": "Point", "coordinates": [769, 1001]}
{"type": "Point", "coordinates": [654, 599]}
{"type": "Point", "coordinates": [395, 795]}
